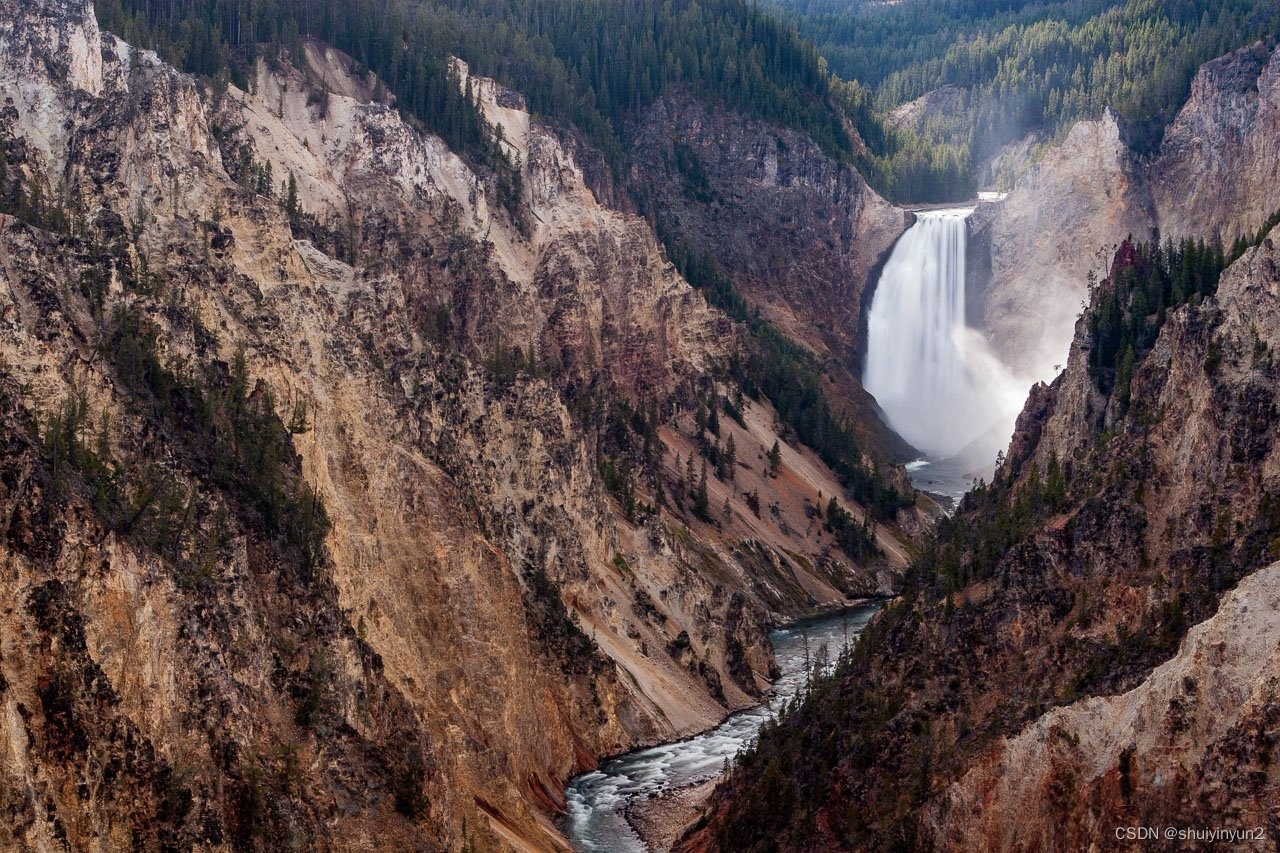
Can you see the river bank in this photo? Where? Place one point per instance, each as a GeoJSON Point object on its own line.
{"type": "Point", "coordinates": [662, 818]}
{"type": "Point", "coordinates": [657, 786]}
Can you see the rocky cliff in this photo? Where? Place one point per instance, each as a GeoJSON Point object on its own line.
{"type": "Point", "coordinates": [1191, 743]}
{"type": "Point", "coordinates": [1215, 177]}
{"type": "Point", "coordinates": [340, 510]}
{"type": "Point", "coordinates": [801, 235]}
{"type": "Point", "coordinates": [1061, 221]}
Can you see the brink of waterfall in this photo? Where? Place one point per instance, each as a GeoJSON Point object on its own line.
{"type": "Point", "coordinates": [935, 378]}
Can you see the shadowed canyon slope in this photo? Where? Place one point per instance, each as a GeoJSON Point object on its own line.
{"type": "Point", "coordinates": [329, 495]}
{"type": "Point", "coordinates": [802, 236]}
{"type": "Point", "coordinates": [1206, 715]}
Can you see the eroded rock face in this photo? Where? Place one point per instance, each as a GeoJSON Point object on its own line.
{"type": "Point", "coordinates": [1216, 173]}
{"type": "Point", "coordinates": [1062, 221]}
{"type": "Point", "coordinates": [1216, 176]}
{"type": "Point", "coordinates": [1201, 722]}
{"type": "Point", "coordinates": [65, 43]}
{"type": "Point", "coordinates": [801, 235]}
{"type": "Point", "coordinates": [482, 619]}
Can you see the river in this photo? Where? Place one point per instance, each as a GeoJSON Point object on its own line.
{"type": "Point", "coordinates": [597, 801]}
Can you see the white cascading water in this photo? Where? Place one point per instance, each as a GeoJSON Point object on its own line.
{"type": "Point", "coordinates": [935, 378]}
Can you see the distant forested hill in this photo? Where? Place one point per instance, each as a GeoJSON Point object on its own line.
{"type": "Point", "coordinates": [1031, 66]}
{"type": "Point", "coordinates": [581, 63]}
{"type": "Point", "coordinates": [1019, 65]}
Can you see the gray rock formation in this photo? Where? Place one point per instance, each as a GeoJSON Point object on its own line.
{"type": "Point", "coordinates": [1062, 221]}
{"type": "Point", "coordinates": [1216, 176]}
{"type": "Point", "coordinates": [1218, 171]}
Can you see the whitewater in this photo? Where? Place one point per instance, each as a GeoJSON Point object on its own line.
{"type": "Point", "coordinates": [934, 377]}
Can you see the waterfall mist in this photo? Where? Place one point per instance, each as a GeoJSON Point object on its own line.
{"type": "Point", "coordinates": [936, 380]}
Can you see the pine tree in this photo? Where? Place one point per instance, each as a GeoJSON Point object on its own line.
{"type": "Point", "coordinates": [291, 197]}
{"type": "Point", "coordinates": [701, 506]}
{"type": "Point", "coordinates": [1124, 376]}
{"type": "Point", "coordinates": [265, 181]}
{"type": "Point", "coordinates": [1055, 483]}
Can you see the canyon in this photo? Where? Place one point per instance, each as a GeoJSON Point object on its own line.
{"type": "Point", "coordinates": [348, 503]}
{"type": "Point", "coordinates": [324, 520]}
{"type": "Point", "coordinates": [1090, 643]}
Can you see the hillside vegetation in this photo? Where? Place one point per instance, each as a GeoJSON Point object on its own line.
{"type": "Point", "coordinates": [586, 65]}
{"type": "Point", "coordinates": [1024, 67]}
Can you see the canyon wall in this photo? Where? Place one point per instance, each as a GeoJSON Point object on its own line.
{"type": "Point", "coordinates": [1203, 721]}
{"type": "Point", "coordinates": [802, 235]}
{"type": "Point", "coordinates": [1216, 176]}
{"type": "Point", "coordinates": [321, 520]}
{"type": "Point", "coordinates": [1216, 173]}
{"type": "Point", "coordinates": [1061, 221]}
{"type": "Point", "coordinates": [1188, 744]}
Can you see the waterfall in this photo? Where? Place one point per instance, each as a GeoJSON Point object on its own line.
{"type": "Point", "coordinates": [935, 378]}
